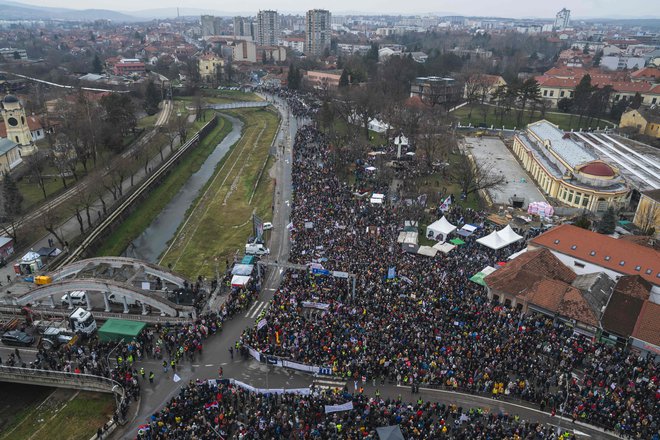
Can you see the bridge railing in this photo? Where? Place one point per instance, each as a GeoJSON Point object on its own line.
{"type": "Point", "coordinates": [58, 378]}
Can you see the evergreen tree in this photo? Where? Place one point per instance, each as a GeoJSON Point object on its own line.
{"type": "Point", "coordinates": [151, 99]}
{"type": "Point", "coordinates": [636, 101]}
{"type": "Point", "coordinates": [608, 222]}
{"type": "Point", "coordinates": [343, 80]}
{"type": "Point", "coordinates": [97, 65]}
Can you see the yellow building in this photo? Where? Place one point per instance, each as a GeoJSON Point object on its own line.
{"type": "Point", "coordinates": [209, 64]}
{"type": "Point", "coordinates": [647, 215]}
{"type": "Point", "coordinates": [10, 156]}
{"type": "Point", "coordinates": [568, 172]}
{"type": "Point", "coordinates": [646, 121]}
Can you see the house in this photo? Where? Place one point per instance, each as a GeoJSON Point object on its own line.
{"type": "Point", "coordinates": [537, 281]}
{"type": "Point", "coordinates": [482, 86]}
{"type": "Point", "coordinates": [646, 334]}
{"type": "Point", "coordinates": [618, 321]}
{"type": "Point", "coordinates": [650, 74]}
{"type": "Point", "coordinates": [209, 65]}
{"type": "Point", "coordinates": [647, 214]}
{"type": "Point", "coordinates": [435, 90]}
{"type": "Point", "coordinates": [245, 51]}
{"type": "Point", "coordinates": [318, 79]}
{"type": "Point", "coordinates": [128, 66]}
{"type": "Point", "coordinates": [586, 252]}
{"type": "Point", "coordinates": [10, 156]}
{"type": "Point", "coordinates": [6, 247]}
{"type": "Point", "coordinates": [566, 170]}
{"type": "Point", "coordinates": [645, 121]}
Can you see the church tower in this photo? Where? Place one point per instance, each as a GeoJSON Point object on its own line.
{"type": "Point", "coordinates": [16, 122]}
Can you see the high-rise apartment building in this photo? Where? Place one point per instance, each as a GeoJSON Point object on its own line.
{"type": "Point", "coordinates": [208, 25]}
{"type": "Point", "coordinates": [317, 31]}
{"type": "Point", "coordinates": [268, 28]}
{"type": "Point", "coordinates": [563, 19]}
{"type": "Point", "coordinates": [243, 28]}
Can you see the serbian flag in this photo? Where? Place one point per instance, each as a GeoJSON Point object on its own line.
{"type": "Point", "coordinates": [211, 405]}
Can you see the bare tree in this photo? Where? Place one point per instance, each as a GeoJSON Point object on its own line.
{"type": "Point", "coordinates": [36, 164]}
{"type": "Point", "coordinates": [473, 177]}
{"type": "Point", "coordinates": [647, 217]}
{"type": "Point", "coordinates": [50, 220]}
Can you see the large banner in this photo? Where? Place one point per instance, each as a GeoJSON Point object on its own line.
{"type": "Point", "coordinates": [258, 224]}
{"type": "Point", "coordinates": [348, 406]}
{"type": "Point", "coordinates": [315, 305]}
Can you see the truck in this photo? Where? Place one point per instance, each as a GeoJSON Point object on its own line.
{"type": "Point", "coordinates": [54, 337]}
{"type": "Point", "coordinates": [256, 249]}
{"type": "Point", "coordinates": [115, 298]}
{"type": "Point", "coordinates": [82, 321]}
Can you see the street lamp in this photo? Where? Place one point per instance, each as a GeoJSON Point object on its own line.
{"type": "Point", "coordinates": [107, 358]}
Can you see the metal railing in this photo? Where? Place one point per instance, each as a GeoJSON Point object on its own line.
{"type": "Point", "coordinates": [61, 379]}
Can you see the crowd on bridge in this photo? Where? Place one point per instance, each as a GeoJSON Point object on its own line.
{"type": "Point", "coordinates": [428, 324]}
{"type": "Point", "coordinates": [217, 409]}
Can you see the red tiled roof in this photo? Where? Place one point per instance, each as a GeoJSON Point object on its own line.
{"type": "Point", "coordinates": [634, 286]}
{"type": "Point", "coordinates": [621, 313]}
{"type": "Point", "coordinates": [647, 328]}
{"type": "Point", "coordinates": [647, 72]}
{"type": "Point", "coordinates": [597, 169]}
{"type": "Point", "coordinates": [525, 270]}
{"type": "Point", "coordinates": [561, 298]}
{"type": "Point", "coordinates": [636, 259]}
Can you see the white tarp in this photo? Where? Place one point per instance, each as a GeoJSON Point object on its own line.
{"type": "Point", "coordinates": [401, 140]}
{"type": "Point", "coordinates": [242, 269]}
{"type": "Point", "coordinates": [427, 251]}
{"type": "Point", "coordinates": [408, 237]}
{"type": "Point", "coordinates": [375, 201]}
{"type": "Point", "coordinates": [440, 229]}
{"type": "Point", "coordinates": [499, 239]}
{"type": "Point", "coordinates": [517, 254]}
{"type": "Point", "coordinates": [445, 248]}
{"type": "Point", "coordinates": [239, 280]}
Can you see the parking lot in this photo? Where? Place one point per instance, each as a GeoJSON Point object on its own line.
{"type": "Point", "coordinates": [491, 151]}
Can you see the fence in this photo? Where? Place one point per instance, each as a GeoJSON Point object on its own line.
{"type": "Point", "coordinates": [60, 379]}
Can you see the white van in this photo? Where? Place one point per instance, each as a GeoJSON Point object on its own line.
{"type": "Point", "coordinates": [78, 298]}
{"type": "Point", "coordinates": [119, 299]}
{"type": "Point", "coordinates": [256, 249]}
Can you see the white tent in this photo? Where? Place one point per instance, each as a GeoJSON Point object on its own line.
{"type": "Point", "coordinates": [427, 251]}
{"type": "Point", "coordinates": [499, 239]}
{"type": "Point", "coordinates": [407, 237]}
{"type": "Point", "coordinates": [445, 248]}
{"type": "Point", "coordinates": [439, 230]}
{"type": "Point", "coordinates": [401, 140]}
{"type": "Point", "coordinates": [239, 280]}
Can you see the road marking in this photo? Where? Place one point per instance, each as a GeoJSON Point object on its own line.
{"type": "Point", "coordinates": [208, 365]}
{"type": "Point", "coordinates": [224, 363]}
{"type": "Point", "coordinates": [252, 313]}
{"type": "Point", "coordinates": [259, 309]}
{"type": "Point", "coordinates": [250, 309]}
{"type": "Point", "coordinates": [272, 289]}
{"type": "Point", "coordinates": [196, 365]}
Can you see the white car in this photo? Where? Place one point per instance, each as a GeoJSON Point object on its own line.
{"type": "Point", "coordinates": [268, 226]}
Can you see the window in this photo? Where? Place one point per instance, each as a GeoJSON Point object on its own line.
{"type": "Point", "coordinates": [578, 264]}
{"type": "Point", "coordinates": [557, 241]}
{"type": "Point", "coordinates": [552, 93]}
{"type": "Point", "coordinates": [654, 100]}
{"type": "Point", "coordinates": [608, 258]}
{"type": "Point", "coordinates": [561, 93]}
{"type": "Point", "coordinates": [637, 268]}
{"type": "Point", "coordinates": [592, 253]}
{"type": "Point", "coordinates": [648, 271]}
{"type": "Point", "coordinates": [617, 97]}
{"type": "Point", "coordinates": [621, 263]}
{"type": "Point", "coordinates": [574, 247]}
{"type": "Point", "coordinates": [545, 93]}
{"type": "Point", "coordinates": [571, 94]}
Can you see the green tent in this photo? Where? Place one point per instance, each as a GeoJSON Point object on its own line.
{"type": "Point", "coordinates": [456, 241]}
{"type": "Point", "coordinates": [248, 259]}
{"type": "Point", "coordinates": [118, 329]}
{"type": "Point", "coordinates": [478, 278]}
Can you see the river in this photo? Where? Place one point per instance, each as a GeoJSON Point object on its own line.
{"type": "Point", "coordinates": [153, 240]}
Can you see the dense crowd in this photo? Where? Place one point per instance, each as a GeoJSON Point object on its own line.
{"type": "Point", "coordinates": [429, 324]}
{"type": "Point", "coordinates": [204, 410]}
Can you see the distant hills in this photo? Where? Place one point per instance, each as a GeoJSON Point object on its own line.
{"type": "Point", "coordinates": [21, 11]}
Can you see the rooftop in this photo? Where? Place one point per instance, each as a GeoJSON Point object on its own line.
{"type": "Point", "coordinates": [617, 255]}
{"type": "Point", "coordinates": [647, 328]}
{"type": "Point", "coordinates": [570, 151]}
{"type": "Point", "coordinates": [6, 145]}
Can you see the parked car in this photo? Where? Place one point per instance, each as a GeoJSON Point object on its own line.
{"type": "Point", "coordinates": [17, 337]}
{"type": "Point", "coordinates": [78, 298]}
{"type": "Point", "coordinates": [268, 226]}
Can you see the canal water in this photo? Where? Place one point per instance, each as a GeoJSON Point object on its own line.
{"type": "Point", "coordinates": [153, 240]}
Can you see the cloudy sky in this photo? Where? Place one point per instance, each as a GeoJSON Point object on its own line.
{"type": "Point", "coordinates": [499, 8]}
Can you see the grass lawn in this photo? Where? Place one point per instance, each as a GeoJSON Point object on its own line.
{"type": "Point", "coordinates": [376, 139]}
{"type": "Point", "coordinates": [220, 220]}
{"type": "Point", "coordinates": [147, 121]}
{"type": "Point", "coordinates": [148, 210]}
{"type": "Point", "coordinates": [563, 120]}
{"type": "Point", "coordinates": [59, 418]}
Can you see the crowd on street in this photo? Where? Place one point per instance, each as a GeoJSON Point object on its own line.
{"type": "Point", "coordinates": [217, 409]}
{"type": "Point", "coordinates": [428, 324]}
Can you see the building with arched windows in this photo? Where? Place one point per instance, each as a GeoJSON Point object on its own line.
{"type": "Point", "coordinates": [567, 170]}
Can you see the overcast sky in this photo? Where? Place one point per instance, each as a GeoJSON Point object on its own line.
{"type": "Point", "coordinates": [499, 8]}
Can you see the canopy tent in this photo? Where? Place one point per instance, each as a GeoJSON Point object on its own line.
{"type": "Point", "coordinates": [543, 209]}
{"type": "Point", "coordinates": [445, 248]}
{"type": "Point", "coordinates": [239, 280]}
{"type": "Point", "coordinates": [242, 269]}
{"type": "Point", "coordinates": [390, 433]}
{"type": "Point", "coordinates": [466, 230]}
{"type": "Point", "coordinates": [456, 241]}
{"type": "Point", "coordinates": [407, 237]}
{"type": "Point", "coordinates": [30, 256]}
{"type": "Point", "coordinates": [479, 276]}
{"type": "Point", "coordinates": [427, 251]}
{"type": "Point", "coordinates": [410, 248]}
{"type": "Point", "coordinates": [410, 226]}
{"type": "Point", "coordinates": [401, 140]}
{"type": "Point", "coordinates": [499, 239]}
{"type": "Point", "coordinates": [248, 259]}
{"type": "Point", "coordinates": [439, 230]}
{"type": "Point", "coordinates": [118, 329]}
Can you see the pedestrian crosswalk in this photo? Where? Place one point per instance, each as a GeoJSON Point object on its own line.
{"type": "Point", "coordinates": [331, 383]}
{"type": "Point", "coordinates": [256, 308]}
